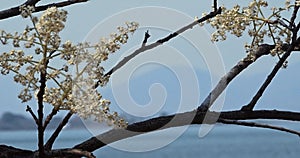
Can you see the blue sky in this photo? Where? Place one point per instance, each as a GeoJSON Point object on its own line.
{"type": "Point", "coordinates": [284, 92]}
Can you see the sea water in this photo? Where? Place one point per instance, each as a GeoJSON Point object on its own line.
{"type": "Point", "coordinates": [224, 141]}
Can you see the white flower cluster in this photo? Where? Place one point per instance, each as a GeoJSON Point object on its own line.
{"type": "Point", "coordinates": [49, 25]}
{"type": "Point", "coordinates": [26, 10]}
{"type": "Point", "coordinates": [253, 20]}
{"type": "Point", "coordinates": [65, 90]}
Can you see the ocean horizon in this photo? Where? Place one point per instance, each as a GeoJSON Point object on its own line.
{"type": "Point", "coordinates": [224, 141]}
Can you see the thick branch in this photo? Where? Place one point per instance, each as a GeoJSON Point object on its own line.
{"type": "Point", "coordinates": [69, 152]}
{"type": "Point", "coordinates": [4, 14]}
{"type": "Point", "coordinates": [165, 122]}
{"type": "Point", "coordinates": [40, 97]}
{"type": "Point", "coordinates": [31, 2]}
{"type": "Point", "coordinates": [55, 134]}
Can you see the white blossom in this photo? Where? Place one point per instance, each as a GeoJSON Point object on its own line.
{"type": "Point", "coordinates": [65, 90]}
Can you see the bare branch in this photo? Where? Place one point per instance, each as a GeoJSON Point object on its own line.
{"type": "Point", "coordinates": [4, 14]}
{"type": "Point", "coordinates": [55, 134]}
{"type": "Point", "coordinates": [271, 76]}
{"type": "Point", "coordinates": [31, 2]}
{"type": "Point", "coordinates": [69, 152]}
{"type": "Point", "coordinates": [266, 83]}
{"type": "Point", "coordinates": [294, 16]}
{"type": "Point", "coordinates": [227, 78]}
{"type": "Point", "coordinates": [165, 122]}
{"type": "Point", "coordinates": [147, 36]}
{"type": "Point", "coordinates": [215, 6]}
{"type": "Point", "coordinates": [58, 5]}
{"type": "Point", "coordinates": [254, 124]}
{"type": "Point", "coordinates": [159, 42]}
{"type": "Point", "coordinates": [28, 109]}
{"type": "Point", "coordinates": [49, 117]}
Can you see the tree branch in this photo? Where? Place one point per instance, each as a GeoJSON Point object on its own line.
{"type": "Point", "coordinates": [28, 109]}
{"type": "Point", "coordinates": [215, 5]}
{"type": "Point", "coordinates": [158, 42]}
{"type": "Point", "coordinates": [271, 76]}
{"type": "Point", "coordinates": [8, 13]}
{"type": "Point", "coordinates": [40, 97]}
{"type": "Point", "coordinates": [31, 2]}
{"type": "Point", "coordinates": [146, 37]}
{"type": "Point", "coordinates": [254, 124]}
{"type": "Point", "coordinates": [294, 16]}
{"type": "Point", "coordinates": [51, 140]}
{"type": "Point", "coordinates": [49, 117]}
{"type": "Point", "coordinates": [227, 78]}
{"type": "Point", "coordinates": [69, 152]}
{"type": "Point", "coordinates": [165, 122]}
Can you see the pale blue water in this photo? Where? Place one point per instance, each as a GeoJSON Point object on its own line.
{"type": "Point", "coordinates": [221, 142]}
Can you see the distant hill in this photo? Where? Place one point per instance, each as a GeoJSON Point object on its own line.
{"type": "Point", "coordinates": [11, 121]}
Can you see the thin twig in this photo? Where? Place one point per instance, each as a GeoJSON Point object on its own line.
{"type": "Point", "coordinates": [146, 37]}
{"type": "Point", "coordinates": [55, 134]}
{"type": "Point", "coordinates": [215, 6]}
{"type": "Point", "coordinates": [294, 16]}
{"type": "Point", "coordinates": [28, 109]}
{"type": "Point", "coordinates": [254, 124]}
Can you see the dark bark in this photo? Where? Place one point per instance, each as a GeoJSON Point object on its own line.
{"type": "Point", "coordinates": [181, 119]}
{"type": "Point", "coordinates": [11, 152]}
{"type": "Point", "coordinates": [14, 11]}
